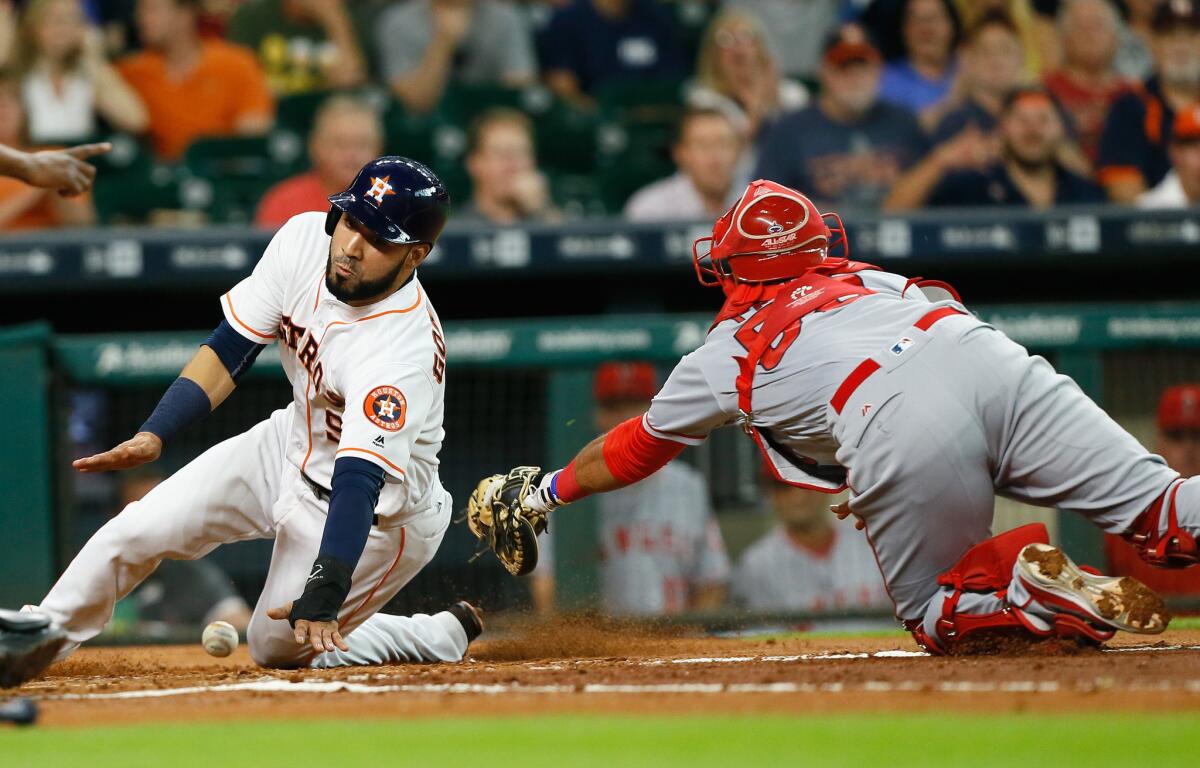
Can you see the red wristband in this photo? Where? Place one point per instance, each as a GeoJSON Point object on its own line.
{"type": "Point", "coordinates": [566, 485]}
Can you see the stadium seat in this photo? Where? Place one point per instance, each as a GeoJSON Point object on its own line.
{"type": "Point", "coordinates": [410, 135]}
{"type": "Point", "coordinates": [462, 103]}
{"type": "Point", "coordinates": [130, 183]}
{"type": "Point", "coordinates": [226, 177]}
{"type": "Point", "coordinates": [633, 141]}
{"type": "Point", "coordinates": [564, 135]}
{"type": "Point", "coordinates": [295, 113]}
{"type": "Point", "coordinates": [631, 156]}
{"type": "Point", "coordinates": [693, 17]}
{"type": "Point", "coordinates": [566, 140]}
{"type": "Point", "coordinates": [578, 195]}
{"type": "Point", "coordinates": [641, 100]}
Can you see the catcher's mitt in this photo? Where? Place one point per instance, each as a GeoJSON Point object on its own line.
{"type": "Point", "coordinates": [496, 516]}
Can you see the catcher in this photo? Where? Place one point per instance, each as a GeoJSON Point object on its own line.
{"type": "Point", "coordinates": [847, 376]}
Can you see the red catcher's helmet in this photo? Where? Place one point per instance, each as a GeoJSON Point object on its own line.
{"type": "Point", "coordinates": [772, 233]}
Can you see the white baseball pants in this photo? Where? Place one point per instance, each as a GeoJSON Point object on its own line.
{"type": "Point", "coordinates": [243, 489]}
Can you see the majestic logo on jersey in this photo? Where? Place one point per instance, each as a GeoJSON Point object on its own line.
{"type": "Point", "coordinates": [378, 441]}
{"type": "Point", "coordinates": [385, 408]}
{"type": "Point", "coordinates": [380, 189]}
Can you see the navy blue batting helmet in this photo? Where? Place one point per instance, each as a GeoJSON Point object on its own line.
{"type": "Point", "coordinates": [398, 199]}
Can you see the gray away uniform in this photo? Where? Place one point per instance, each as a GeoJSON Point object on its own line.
{"type": "Point", "coordinates": [955, 415]}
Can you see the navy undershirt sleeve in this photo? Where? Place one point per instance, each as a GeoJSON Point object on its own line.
{"type": "Point", "coordinates": [236, 352]}
{"type": "Point", "coordinates": [354, 493]}
{"type": "Point", "coordinates": [183, 403]}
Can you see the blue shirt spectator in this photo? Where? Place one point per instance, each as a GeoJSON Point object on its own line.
{"type": "Point", "coordinates": [593, 42]}
{"type": "Point", "coordinates": [848, 148]}
{"type": "Point", "coordinates": [903, 85]}
{"type": "Point", "coordinates": [925, 75]}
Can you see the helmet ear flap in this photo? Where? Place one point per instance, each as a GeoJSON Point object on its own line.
{"type": "Point", "coordinates": [331, 219]}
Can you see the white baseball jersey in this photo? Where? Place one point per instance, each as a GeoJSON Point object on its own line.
{"type": "Point", "coordinates": [777, 574]}
{"type": "Point", "coordinates": [367, 381]}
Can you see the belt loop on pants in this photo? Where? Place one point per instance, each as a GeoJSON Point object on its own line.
{"type": "Point", "coordinates": [322, 493]}
{"type": "Point", "coordinates": [867, 367]}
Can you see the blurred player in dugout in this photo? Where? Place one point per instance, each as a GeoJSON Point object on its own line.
{"type": "Point", "coordinates": [1177, 440]}
{"type": "Point", "coordinates": [660, 549]}
{"type": "Point", "coordinates": [810, 561]}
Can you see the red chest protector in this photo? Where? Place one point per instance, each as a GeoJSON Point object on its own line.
{"type": "Point", "coordinates": [777, 324]}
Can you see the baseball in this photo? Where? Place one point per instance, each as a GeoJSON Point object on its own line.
{"type": "Point", "coordinates": [219, 638]}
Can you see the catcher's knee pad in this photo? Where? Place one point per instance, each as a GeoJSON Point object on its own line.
{"type": "Point", "coordinates": [987, 568]}
{"type": "Point", "coordinates": [1157, 536]}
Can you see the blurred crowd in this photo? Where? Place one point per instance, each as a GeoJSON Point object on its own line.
{"type": "Point", "coordinates": [540, 111]}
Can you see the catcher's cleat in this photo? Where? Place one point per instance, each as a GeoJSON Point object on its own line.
{"type": "Point", "coordinates": [1118, 602]}
{"type": "Point", "coordinates": [28, 645]}
{"type": "Point", "coordinates": [470, 617]}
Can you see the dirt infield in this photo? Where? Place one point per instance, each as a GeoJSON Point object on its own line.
{"type": "Point", "coordinates": [581, 668]}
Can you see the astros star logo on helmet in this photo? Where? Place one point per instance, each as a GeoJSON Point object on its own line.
{"type": "Point", "coordinates": [380, 189]}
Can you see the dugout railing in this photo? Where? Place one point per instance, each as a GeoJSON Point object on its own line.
{"type": "Point", "coordinates": [519, 391]}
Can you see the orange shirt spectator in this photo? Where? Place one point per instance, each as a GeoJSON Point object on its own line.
{"type": "Point", "coordinates": [347, 134]}
{"type": "Point", "coordinates": [23, 208]}
{"type": "Point", "coordinates": [225, 85]}
{"type": "Point", "coordinates": [193, 87]}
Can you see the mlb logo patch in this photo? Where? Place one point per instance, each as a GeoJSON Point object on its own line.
{"type": "Point", "coordinates": [899, 347]}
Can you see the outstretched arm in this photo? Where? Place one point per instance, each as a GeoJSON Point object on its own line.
{"type": "Point", "coordinates": [65, 170]}
{"type": "Point", "coordinates": [626, 455]}
{"type": "Point", "coordinates": [203, 384]}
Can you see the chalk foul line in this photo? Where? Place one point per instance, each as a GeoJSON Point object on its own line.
{"type": "Point", "coordinates": [275, 685]}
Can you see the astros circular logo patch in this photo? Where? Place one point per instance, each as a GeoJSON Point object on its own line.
{"type": "Point", "coordinates": [385, 407]}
